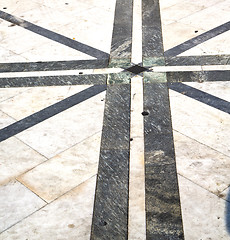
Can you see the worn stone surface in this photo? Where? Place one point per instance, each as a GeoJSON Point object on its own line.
{"type": "Point", "coordinates": [163, 214]}
{"type": "Point", "coordinates": [52, 80]}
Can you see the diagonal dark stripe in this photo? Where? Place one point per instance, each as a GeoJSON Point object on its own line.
{"type": "Point", "coordinates": [201, 96]}
{"type": "Point", "coordinates": [49, 112]}
{"type": "Point", "coordinates": [54, 36]}
{"type": "Point", "coordinates": [198, 40]}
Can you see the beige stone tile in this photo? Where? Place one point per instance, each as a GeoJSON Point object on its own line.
{"type": "Point", "coordinates": [67, 218]}
{"type": "Point", "coordinates": [9, 56]}
{"type": "Point", "coordinates": [180, 10]}
{"type": "Point", "coordinates": [67, 128]}
{"type": "Point", "coordinates": [201, 164]}
{"type": "Point", "coordinates": [210, 17]}
{"type": "Point", "coordinates": [204, 214]}
{"type": "Point", "coordinates": [65, 171]}
{"type": "Point", "coordinates": [6, 93]}
{"type": "Point", "coordinates": [176, 33]}
{"type": "Point", "coordinates": [36, 99]}
{"type": "Point", "coordinates": [17, 202]}
{"type": "Point", "coordinates": [16, 158]}
{"type": "Point", "coordinates": [5, 120]}
{"type": "Point", "coordinates": [201, 122]}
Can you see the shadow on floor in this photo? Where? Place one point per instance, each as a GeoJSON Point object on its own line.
{"type": "Point", "coordinates": [227, 213]}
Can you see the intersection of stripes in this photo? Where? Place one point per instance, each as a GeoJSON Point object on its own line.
{"type": "Point", "coordinates": [110, 217]}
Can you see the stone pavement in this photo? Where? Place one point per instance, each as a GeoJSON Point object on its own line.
{"type": "Point", "coordinates": [114, 119]}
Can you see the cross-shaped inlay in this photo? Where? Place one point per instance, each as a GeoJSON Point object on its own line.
{"type": "Point", "coordinates": [136, 194]}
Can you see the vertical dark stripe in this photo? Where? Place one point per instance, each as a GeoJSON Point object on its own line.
{"type": "Point", "coordinates": [163, 214]}
{"type": "Point", "coordinates": [120, 54]}
{"type": "Point", "coordinates": [152, 43]}
{"type": "Point", "coordinates": [110, 217]}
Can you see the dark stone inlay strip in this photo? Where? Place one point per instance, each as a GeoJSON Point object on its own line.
{"type": "Point", "coordinates": [95, 79]}
{"type": "Point", "coordinates": [199, 76]}
{"type": "Point", "coordinates": [110, 218]}
{"type": "Point", "coordinates": [201, 96]}
{"type": "Point", "coordinates": [163, 213]}
{"type": "Point", "coordinates": [198, 60]}
{"type": "Point", "coordinates": [50, 111]}
{"type": "Point", "coordinates": [53, 65]}
{"type": "Point", "coordinates": [198, 40]}
{"type": "Point", "coordinates": [54, 36]}
{"type": "Point", "coordinates": [151, 29]}
{"type": "Point", "coordinates": [122, 32]}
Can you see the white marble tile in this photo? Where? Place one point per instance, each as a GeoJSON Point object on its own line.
{"type": "Point", "coordinates": [67, 218]}
{"type": "Point", "coordinates": [17, 202]}
{"type": "Point", "coordinates": [137, 32]}
{"type": "Point", "coordinates": [16, 158]}
{"type": "Point", "coordinates": [201, 164]}
{"type": "Point", "coordinates": [15, 7]}
{"type": "Point", "coordinates": [66, 128]}
{"type": "Point", "coordinates": [201, 122]}
{"type": "Point", "coordinates": [210, 17]}
{"type": "Point", "coordinates": [176, 33]}
{"type": "Point", "coordinates": [204, 214]}
{"type": "Point", "coordinates": [176, 68]}
{"type": "Point", "coordinates": [136, 225]}
{"type": "Point", "coordinates": [9, 56]}
{"type": "Point", "coordinates": [5, 120]}
{"type": "Point", "coordinates": [65, 171]}
{"type": "Point", "coordinates": [180, 10]}
{"type": "Point", "coordinates": [216, 67]}
{"type": "Point", "coordinates": [36, 99]}
{"type": "Point", "coordinates": [6, 93]}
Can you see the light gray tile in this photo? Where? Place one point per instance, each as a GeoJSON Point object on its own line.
{"type": "Point", "coordinates": [17, 202]}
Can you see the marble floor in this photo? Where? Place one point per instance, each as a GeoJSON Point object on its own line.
{"type": "Point", "coordinates": [115, 119]}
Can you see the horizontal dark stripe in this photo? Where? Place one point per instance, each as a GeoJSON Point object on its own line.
{"type": "Point", "coordinates": [50, 111]}
{"type": "Point", "coordinates": [94, 79]}
{"type": "Point", "coordinates": [53, 65]}
{"type": "Point", "coordinates": [198, 76]}
{"type": "Point", "coordinates": [198, 60]}
{"type": "Point", "coordinates": [201, 96]}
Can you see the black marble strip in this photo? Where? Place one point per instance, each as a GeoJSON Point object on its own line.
{"type": "Point", "coordinates": [201, 96]}
{"type": "Point", "coordinates": [53, 65]}
{"type": "Point", "coordinates": [122, 33]}
{"type": "Point", "coordinates": [50, 111]}
{"type": "Point", "coordinates": [198, 60]}
{"type": "Point", "coordinates": [198, 76]}
{"type": "Point", "coordinates": [54, 36]}
{"type": "Point", "coordinates": [110, 217]}
{"type": "Point", "coordinates": [95, 79]}
{"type": "Point", "coordinates": [163, 214]}
{"type": "Point", "coordinates": [198, 40]}
{"type": "Point", "coordinates": [152, 42]}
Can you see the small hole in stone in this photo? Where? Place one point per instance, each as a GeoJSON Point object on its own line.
{"type": "Point", "coordinates": [131, 139]}
{"type": "Point", "coordinates": [80, 72]}
{"type": "Point", "coordinates": [5, 8]}
{"type": "Point", "coordinates": [66, 3]}
{"type": "Point", "coordinates": [196, 31]}
{"type": "Point", "coordinates": [103, 223]}
{"type": "Point", "coordinates": [145, 113]}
